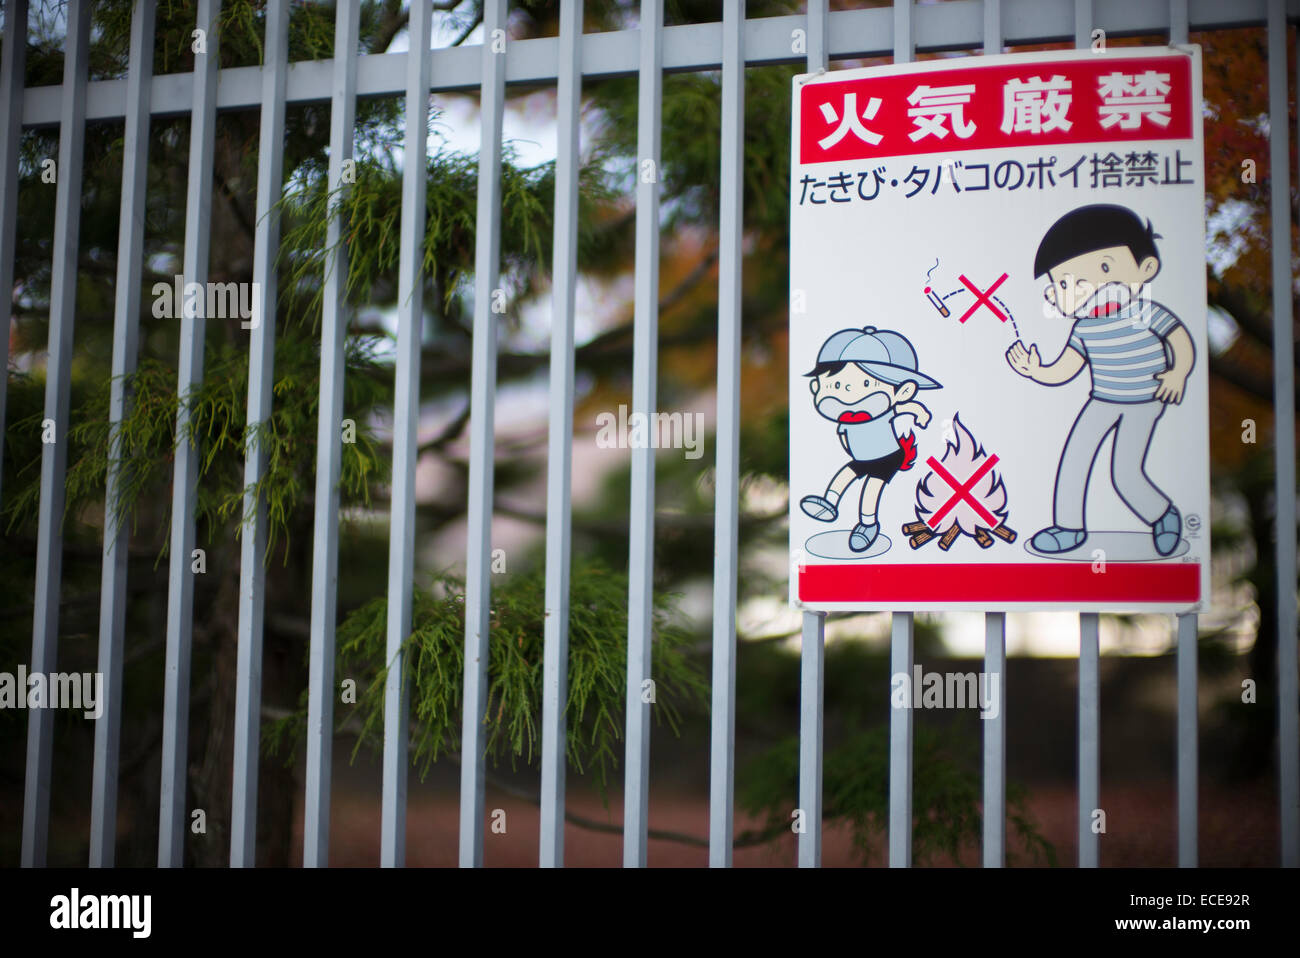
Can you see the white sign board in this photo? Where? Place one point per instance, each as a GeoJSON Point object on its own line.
{"type": "Point", "coordinates": [998, 390]}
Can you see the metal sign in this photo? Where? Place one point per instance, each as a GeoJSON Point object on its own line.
{"type": "Point", "coordinates": [998, 390]}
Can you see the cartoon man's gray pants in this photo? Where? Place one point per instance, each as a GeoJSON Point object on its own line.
{"type": "Point", "coordinates": [1133, 424]}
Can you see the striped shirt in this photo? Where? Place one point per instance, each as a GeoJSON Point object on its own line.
{"type": "Point", "coordinates": [1125, 350]}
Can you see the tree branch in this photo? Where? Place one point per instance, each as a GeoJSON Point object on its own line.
{"type": "Point", "coordinates": [610, 344]}
{"type": "Point", "coordinates": [449, 433]}
{"type": "Point", "coordinates": [469, 28]}
{"type": "Point", "coordinates": [1256, 322]}
{"type": "Point", "coordinates": [1237, 375]}
{"type": "Point", "coordinates": [743, 840]}
{"type": "Point", "coordinates": [395, 18]}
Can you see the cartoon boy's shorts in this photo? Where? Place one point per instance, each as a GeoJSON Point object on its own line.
{"type": "Point", "coordinates": [883, 468]}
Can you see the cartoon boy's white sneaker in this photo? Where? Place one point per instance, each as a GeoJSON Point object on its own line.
{"type": "Point", "coordinates": [819, 508]}
{"type": "Point", "coordinates": [1056, 539]}
{"type": "Point", "coordinates": [1166, 531]}
{"type": "Point", "coordinates": [862, 536]}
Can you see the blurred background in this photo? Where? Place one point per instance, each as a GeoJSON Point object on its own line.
{"type": "Point", "coordinates": [1238, 640]}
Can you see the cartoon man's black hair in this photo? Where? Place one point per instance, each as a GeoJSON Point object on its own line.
{"type": "Point", "coordinates": [1090, 228]}
{"type": "Point", "coordinates": [821, 369]}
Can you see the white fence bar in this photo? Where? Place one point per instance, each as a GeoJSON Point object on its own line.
{"type": "Point", "coordinates": [126, 339]}
{"type": "Point", "coordinates": [1089, 631]}
{"type": "Point", "coordinates": [995, 743]}
{"type": "Point", "coordinates": [645, 366]}
{"type": "Point", "coordinates": [1083, 23]}
{"type": "Point", "coordinates": [726, 504]}
{"type": "Point", "coordinates": [1187, 632]}
{"type": "Point", "coordinates": [1178, 22]}
{"type": "Point", "coordinates": [11, 102]}
{"type": "Point", "coordinates": [900, 640]}
{"type": "Point", "coordinates": [900, 746]}
{"type": "Point", "coordinates": [559, 455]}
{"type": "Point", "coordinates": [1288, 686]}
{"type": "Point", "coordinates": [904, 31]}
{"type": "Point", "coordinates": [812, 656]}
{"type": "Point", "coordinates": [329, 453]}
{"type": "Point", "coordinates": [261, 378]}
{"type": "Point", "coordinates": [483, 388]}
{"type": "Point", "coordinates": [812, 662]}
{"type": "Point", "coordinates": [54, 455]}
{"type": "Point", "coordinates": [180, 578]}
{"type": "Point", "coordinates": [853, 34]}
{"type": "Point", "coordinates": [406, 416]}
{"type": "Point", "coordinates": [995, 632]}
{"type": "Point", "coordinates": [992, 27]}
{"type": "Point", "coordinates": [1089, 739]}
{"type": "Point", "coordinates": [1187, 741]}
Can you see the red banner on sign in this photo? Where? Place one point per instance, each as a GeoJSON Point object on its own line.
{"type": "Point", "coordinates": [1001, 582]}
{"type": "Point", "coordinates": [1101, 99]}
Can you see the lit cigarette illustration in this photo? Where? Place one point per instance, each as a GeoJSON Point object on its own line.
{"type": "Point", "coordinates": [938, 303]}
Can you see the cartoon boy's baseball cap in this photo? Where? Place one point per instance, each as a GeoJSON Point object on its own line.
{"type": "Point", "coordinates": [887, 355]}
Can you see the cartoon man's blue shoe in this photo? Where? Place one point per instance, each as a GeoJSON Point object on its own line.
{"type": "Point", "coordinates": [1056, 539]}
{"type": "Point", "coordinates": [1166, 531]}
{"type": "Point", "coordinates": [819, 508]}
{"type": "Point", "coordinates": [862, 536]}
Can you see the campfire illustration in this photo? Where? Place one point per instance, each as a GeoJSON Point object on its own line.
{"type": "Point", "coordinates": [962, 493]}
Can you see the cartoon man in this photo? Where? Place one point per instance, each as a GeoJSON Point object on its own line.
{"type": "Point", "coordinates": [864, 380]}
{"type": "Point", "coordinates": [1098, 260]}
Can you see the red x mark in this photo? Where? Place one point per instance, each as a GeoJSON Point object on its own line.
{"type": "Point", "coordinates": [982, 299]}
{"type": "Point", "coordinates": [963, 492]}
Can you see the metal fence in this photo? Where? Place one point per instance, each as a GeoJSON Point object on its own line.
{"type": "Point", "coordinates": [731, 45]}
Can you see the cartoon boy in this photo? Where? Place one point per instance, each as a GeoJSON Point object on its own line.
{"type": "Point", "coordinates": [864, 380]}
{"type": "Point", "coordinates": [1098, 260]}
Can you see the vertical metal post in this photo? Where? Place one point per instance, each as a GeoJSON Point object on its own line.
{"type": "Point", "coordinates": [483, 387]}
{"type": "Point", "coordinates": [54, 455]}
{"type": "Point", "coordinates": [12, 74]}
{"type": "Point", "coordinates": [1089, 630]}
{"type": "Point", "coordinates": [645, 364]}
{"type": "Point", "coordinates": [900, 746]}
{"type": "Point", "coordinates": [992, 27]}
{"type": "Point", "coordinates": [329, 446]}
{"type": "Point", "coordinates": [995, 633]}
{"type": "Point", "coordinates": [812, 656]}
{"type": "Point", "coordinates": [1178, 22]}
{"type": "Point", "coordinates": [261, 378]}
{"type": "Point", "coordinates": [126, 338]}
{"type": "Point", "coordinates": [1284, 452]}
{"type": "Point", "coordinates": [1187, 741]}
{"type": "Point", "coordinates": [180, 578]}
{"type": "Point", "coordinates": [900, 655]}
{"type": "Point", "coordinates": [726, 504]}
{"type": "Point", "coordinates": [1187, 630]}
{"type": "Point", "coordinates": [559, 458]}
{"type": "Point", "coordinates": [812, 662]}
{"type": "Point", "coordinates": [1089, 739]}
{"type": "Point", "coordinates": [406, 416]}
{"type": "Point", "coordinates": [903, 28]}
{"type": "Point", "coordinates": [995, 742]}
{"type": "Point", "coordinates": [1082, 23]}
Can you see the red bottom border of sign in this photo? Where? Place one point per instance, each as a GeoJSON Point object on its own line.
{"type": "Point", "coordinates": [1002, 582]}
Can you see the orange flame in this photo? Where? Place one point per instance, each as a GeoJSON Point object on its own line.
{"type": "Point", "coordinates": [908, 445]}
